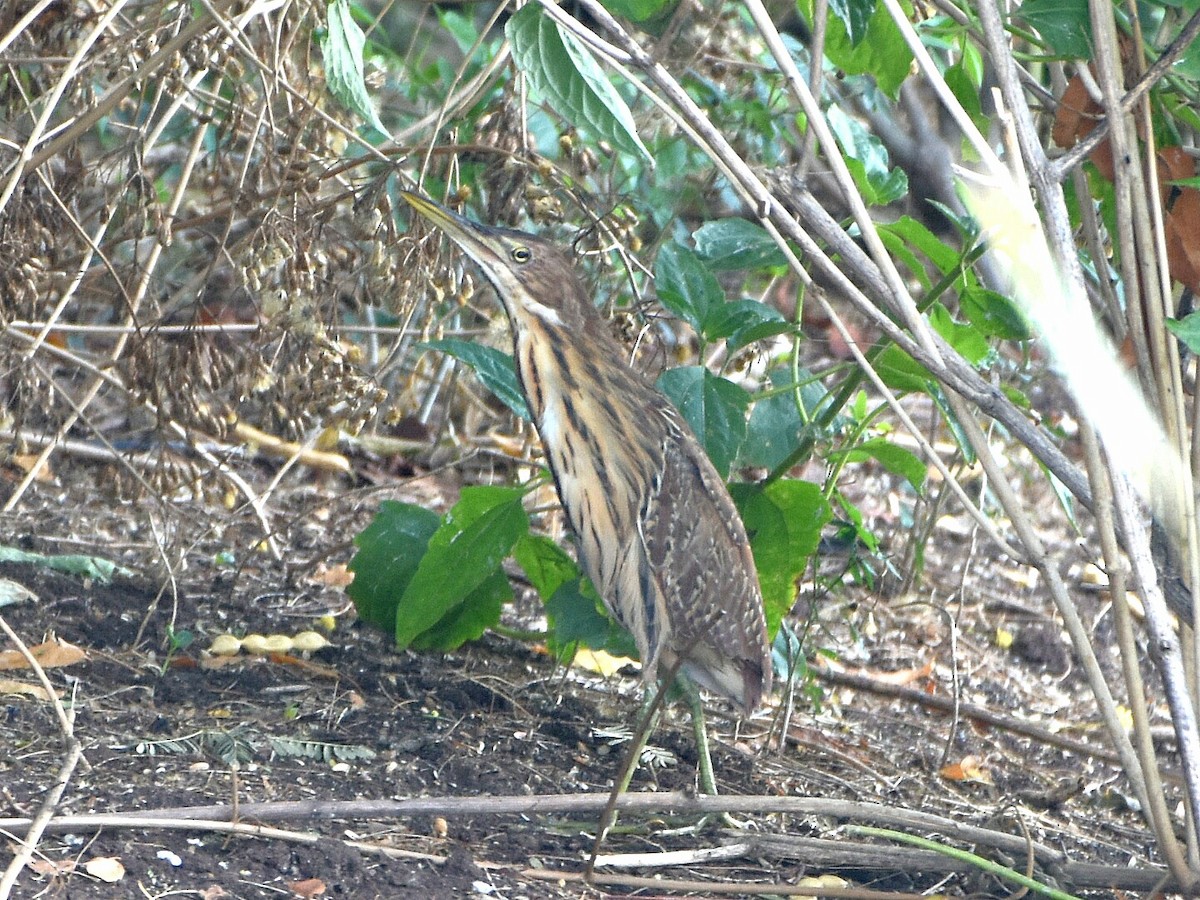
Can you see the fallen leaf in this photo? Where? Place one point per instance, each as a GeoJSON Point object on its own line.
{"type": "Point", "coordinates": [309, 887]}
{"type": "Point", "coordinates": [49, 654]}
{"type": "Point", "coordinates": [11, 687]}
{"type": "Point", "coordinates": [333, 576]}
{"type": "Point", "coordinates": [969, 769]}
{"type": "Point", "coordinates": [108, 869]}
{"type": "Point", "coordinates": [51, 869]}
{"type": "Point", "coordinates": [600, 662]}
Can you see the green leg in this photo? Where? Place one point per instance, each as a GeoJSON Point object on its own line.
{"type": "Point", "coordinates": [704, 768]}
{"type": "Point", "coordinates": [647, 721]}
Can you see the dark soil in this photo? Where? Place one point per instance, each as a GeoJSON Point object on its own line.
{"type": "Point", "coordinates": [158, 726]}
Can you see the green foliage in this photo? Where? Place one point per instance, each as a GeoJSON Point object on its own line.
{"type": "Point", "coordinates": [445, 586]}
{"type": "Point", "coordinates": [566, 74]}
{"type": "Point", "coordinates": [1063, 24]}
{"type": "Point", "coordinates": [896, 459]}
{"type": "Point", "coordinates": [880, 52]}
{"type": "Point", "coordinates": [638, 10]}
{"type": "Point", "coordinates": [784, 521]}
{"type": "Point", "coordinates": [730, 244]}
{"type": "Point", "coordinates": [685, 286]}
{"type": "Point", "coordinates": [342, 50]}
{"type": "Point", "coordinates": [688, 287]}
{"type": "Point", "coordinates": [867, 160]}
{"type": "Point", "coordinates": [494, 368]}
{"type": "Point", "coordinates": [714, 407]}
{"type": "Point", "coordinates": [389, 551]}
{"type": "Point", "coordinates": [1187, 330]}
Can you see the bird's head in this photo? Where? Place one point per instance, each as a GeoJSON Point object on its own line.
{"type": "Point", "coordinates": [531, 276]}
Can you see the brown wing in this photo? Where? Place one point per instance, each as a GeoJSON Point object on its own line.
{"type": "Point", "coordinates": [697, 550]}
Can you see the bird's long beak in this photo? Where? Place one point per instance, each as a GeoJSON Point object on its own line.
{"type": "Point", "coordinates": [478, 241]}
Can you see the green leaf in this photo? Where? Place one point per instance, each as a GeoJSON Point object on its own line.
{"type": "Point", "coordinates": [777, 427]}
{"type": "Point", "coordinates": [1064, 24]}
{"type": "Point", "coordinates": [730, 244]}
{"type": "Point", "coordinates": [743, 321]}
{"type": "Point", "coordinates": [578, 618]}
{"type": "Point", "coordinates": [389, 551]}
{"type": "Point", "coordinates": [773, 432]}
{"type": "Point", "coordinates": [342, 51]}
{"type": "Point", "coordinates": [901, 372]}
{"type": "Point", "coordinates": [867, 160]}
{"type": "Point", "coordinates": [855, 15]}
{"type": "Point", "coordinates": [894, 458]}
{"type": "Point", "coordinates": [882, 53]}
{"type": "Point", "coordinates": [784, 521]}
{"type": "Point", "coordinates": [1187, 330]}
{"type": "Point", "coordinates": [464, 553]}
{"type": "Point", "coordinates": [714, 407]}
{"type": "Point", "coordinates": [968, 340]}
{"type": "Point", "coordinates": [566, 74]}
{"type": "Point", "coordinates": [547, 565]}
{"type": "Point", "coordinates": [685, 286]}
{"type": "Point", "coordinates": [911, 231]}
{"type": "Point", "coordinates": [94, 567]}
{"type": "Point", "coordinates": [461, 28]}
{"type": "Point", "coordinates": [994, 314]}
{"type": "Point", "coordinates": [494, 368]}
{"type": "Point", "coordinates": [638, 10]}
{"type": "Point", "coordinates": [467, 621]}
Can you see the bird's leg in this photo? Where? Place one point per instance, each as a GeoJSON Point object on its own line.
{"type": "Point", "coordinates": [704, 766]}
{"type": "Point", "coordinates": [652, 703]}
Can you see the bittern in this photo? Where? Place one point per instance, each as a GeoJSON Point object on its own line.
{"type": "Point", "coordinates": [658, 533]}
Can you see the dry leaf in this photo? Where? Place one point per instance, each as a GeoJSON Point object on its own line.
{"type": "Point", "coordinates": [309, 887]}
{"type": "Point", "coordinates": [51, 869]}
{"type": "Point", "coordinates": [49, 654]}
{"type": "Point", "coordinates": [9, 686]}
{"type": "Point", "coordinates": [26, 461]}
{"type": "Point", "coordinates": [600, 662]}
{"type": "Point", "coordinates": [108, 869]}
{"type": "Point", "coordinates": [969, 769]}
{"type": "Point", "coordinates": [334, 576]}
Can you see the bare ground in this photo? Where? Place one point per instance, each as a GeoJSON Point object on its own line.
{"type": "Point", "coordinates": [500, 719]}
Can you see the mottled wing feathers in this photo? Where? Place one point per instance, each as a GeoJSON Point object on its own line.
{"type": "Point", "coordinates": [696, 547]}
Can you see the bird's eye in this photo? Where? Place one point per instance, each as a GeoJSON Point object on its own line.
{"type": "Point", "coordinates": [521, 254]}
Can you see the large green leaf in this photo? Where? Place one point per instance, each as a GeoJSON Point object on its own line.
{"type": "Point", "coordinates": [895, 459]}
{"type": "Point", "coordinates": [494, 368]}
{"type": "Point", "coordinates": [730, 244]}
{"type": "Point", "coordinates": [994, 314]}
{"type": "Point", "coordinates": [389, 551]}
{"type": "Point", "coordinates": [742, 322]}
{"type": "Point", "coordinates": [867, 159]}
{"type": "Point", "coordinates": [578, 618]}
{"type": "Point", "coordinates": [566, 74]}
{"type": "Point", "coordinates": [965, 338]}
{"type": "Point", "coordinates": [1187, 330]}
{"type": "Point", "coordinates": [638, 10]}
{"type": "Point", "coordinates": [685, 286]}
{"type": "Point", "coordinates": [547, 565]}
{"type": "Point", "coordinates": [468, 620]}
{"type": "Point", "coordinates": [464, 553]}
{"type": "Point", "coordinates": [882, 52]}
{"type": "Point", "coordinates": [1064, 24]}
{"type": "Point", "coordinates": [342, 51]}
{"type": "Point", "coordinates": [715, 408]}
{"type": "Point", "coordinates": [855, 15]}
{"type": "Point", "coordinates": [784, 521]}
